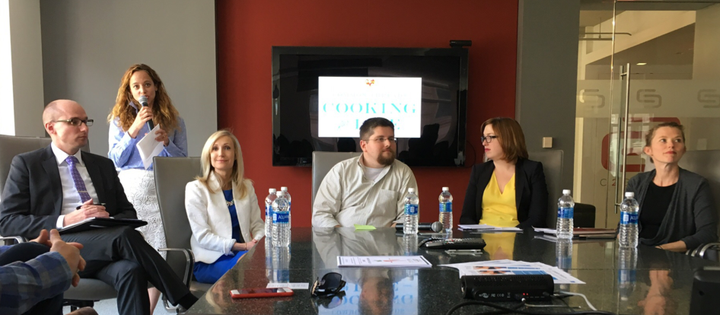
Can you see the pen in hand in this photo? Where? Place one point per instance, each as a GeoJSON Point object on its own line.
{"type": "Point", "coordinates": [94, 204]}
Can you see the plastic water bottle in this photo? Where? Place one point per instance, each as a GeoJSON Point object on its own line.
{"type": "Point", "coordinates": [287, 196]}
{"type": "Point", "coordinates": [281, 264]}
{"type": "Point", "coordinates": [410, 244]}
{"type": "Point", "coordinates": [446, 217]}
{"type": "Point", "coordinates": [563, 254]}
{"type": "Point", "coordinates": [281, 221]}
{"type": "Point", "coordinates": [268, 211]}
{"type": "Point", "coordinates": [564, 224]}
{"type": "Point", "coordinates": [629, 221]}
{"type": "Point", "coordinates": [268, 259]}
{"type": "Point", "coordinates": [412, 212]}
{"type": "Point", "coordinates": [627, 262]}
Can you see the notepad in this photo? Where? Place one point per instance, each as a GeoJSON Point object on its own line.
{"type": "Point", "coordinates": [99, 223]}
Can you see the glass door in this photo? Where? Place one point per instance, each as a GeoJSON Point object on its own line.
{"type": "Point", "coordinates": [641, 63]}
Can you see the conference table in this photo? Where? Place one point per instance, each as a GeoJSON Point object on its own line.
{"type": "Point", "coordinates": [659, 280]}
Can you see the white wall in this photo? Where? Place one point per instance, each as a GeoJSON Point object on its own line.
{"type": "Point", "coordinates": [7, 120]}
{"type": "Point", "coordinates": [88, 45]}
{"type": "Point", "coordinates": [21, 79]}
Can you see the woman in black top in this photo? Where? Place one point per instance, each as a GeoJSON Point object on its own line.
{"type": "Point", "coordinates": [504, 144]}
{"type": "Point", "coordinates": [677, 211]}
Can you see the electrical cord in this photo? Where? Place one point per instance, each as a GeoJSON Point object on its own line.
{"type": "Point", "coordinates": [504, 309]}
{"type": "Point", "coordinates": [583, 296]}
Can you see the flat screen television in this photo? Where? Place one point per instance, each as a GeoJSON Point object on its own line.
{"type": "Point", "coordinates": [321, 96]}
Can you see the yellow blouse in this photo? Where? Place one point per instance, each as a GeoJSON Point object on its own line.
{"type": "Point", "coordinates": [499, 209]}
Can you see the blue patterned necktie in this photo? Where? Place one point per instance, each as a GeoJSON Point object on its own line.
{"type": "Point", "coordinates": [77, 180]}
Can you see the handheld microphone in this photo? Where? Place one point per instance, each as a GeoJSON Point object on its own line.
{"type": "Point", "coordinates": [144, 102]}
{"type": "Point", "coordinates": [435, 226]}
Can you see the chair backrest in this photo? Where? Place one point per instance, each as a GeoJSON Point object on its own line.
{"type": "Point", "coordinates": [552, 161]}
{"type": "Point", "coordinates": [171, 176]}
{"type": "Point", "coordinates": [322, 163]}
{"type": "Point", "coordinates": [705, 163]}
{"type": "Point", "coordinates": [10, 146]}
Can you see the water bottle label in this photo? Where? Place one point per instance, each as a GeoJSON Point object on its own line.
{"type": "Point", "coordinates": [446, 207]}
{"type": "Point", "coordinates": [628, 218]}
{"type": "Point", "coordinates": [411, 209]}
{"type": "Point", "coordinates": [565, 213]}
{"type": "Point", "coordinates": [281, 217]}
{"type": "Point", "coordinates": [268, 211]}
{"type": "Point", "coordinates": [626, 275]}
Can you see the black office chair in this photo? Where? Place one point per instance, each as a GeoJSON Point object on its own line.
{"type": "Point", "coordinates": [88, 290]}
{"type": "Point", "coordinates": [552, 161]}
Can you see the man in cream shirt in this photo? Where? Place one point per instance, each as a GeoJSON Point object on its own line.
{"type": "Point", "coordinates": [367, 189]}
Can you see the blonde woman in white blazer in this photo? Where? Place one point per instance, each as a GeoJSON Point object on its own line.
{"type": "Point", "coordinates": [222, 209]}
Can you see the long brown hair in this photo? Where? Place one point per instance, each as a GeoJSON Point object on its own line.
{"type": "Point", "coordinates": [164, 113]}
{"type": "Point", "coordinates": [511, 137]}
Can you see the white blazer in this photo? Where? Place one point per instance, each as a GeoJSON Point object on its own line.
{"type": "Point", "coordinates": [210, 219]}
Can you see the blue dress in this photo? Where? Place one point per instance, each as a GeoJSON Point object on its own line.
{"type": "Point", "coordinates": [210, 273]}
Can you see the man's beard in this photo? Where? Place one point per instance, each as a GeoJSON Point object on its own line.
{"type": "Point", "coordinates": [385, 161]}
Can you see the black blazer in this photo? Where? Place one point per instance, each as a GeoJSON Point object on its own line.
{"type": "Point", "coordinates": [531, 195]}
{"type": "Point", "coordinates": [32, 197]}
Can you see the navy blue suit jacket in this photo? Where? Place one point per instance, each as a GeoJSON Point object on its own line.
{"type": "Point", "coordinates": [32, 197]}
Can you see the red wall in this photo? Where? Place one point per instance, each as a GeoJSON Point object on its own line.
{"type": "Point", "coordinates": [246, 31]}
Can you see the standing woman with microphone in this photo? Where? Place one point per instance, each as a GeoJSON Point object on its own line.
{"type": "Point", "coordinates": [141, 104]}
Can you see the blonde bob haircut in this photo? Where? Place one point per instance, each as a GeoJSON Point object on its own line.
{"type": "Point", "coordinates": [511, 137]}
{"type": "Point", "coordinates": [238, 171]}
{"type": "Point", "coordinates": [164, 113]}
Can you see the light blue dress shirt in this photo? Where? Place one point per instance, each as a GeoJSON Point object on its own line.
{"type": "Point", "coordinates": [123, 150]}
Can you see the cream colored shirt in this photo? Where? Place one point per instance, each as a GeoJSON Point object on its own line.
{"type": "Point", "coordinates": [347, 197]}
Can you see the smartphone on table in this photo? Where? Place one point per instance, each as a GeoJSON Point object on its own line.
{"type": "Point", "coordinates": [260, 292]}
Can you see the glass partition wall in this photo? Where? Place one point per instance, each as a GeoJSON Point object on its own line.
{"type": "Point", "coordinates": [641, 63]}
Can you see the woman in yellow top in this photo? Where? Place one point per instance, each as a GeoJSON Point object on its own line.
{"type": "Point", "coordinates": [508, 190]}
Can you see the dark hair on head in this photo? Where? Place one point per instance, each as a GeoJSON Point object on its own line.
{"type": "Point", "coordinates": [510, 135]}
{"type": "Point", "coordinates": [366, 130]}
{"type": "Point", "coordinates": [651, 133]}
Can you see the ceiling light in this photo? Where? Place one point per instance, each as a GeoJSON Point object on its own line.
{"type": "Point", "coordinates": [641, 63]}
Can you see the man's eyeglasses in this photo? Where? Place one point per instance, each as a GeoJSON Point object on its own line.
{"type": "Point", "coordinates": [488, 139]}
{"type": "Point", "coordinates": [76, 122]}
{"type": "Point", "coordinates": [383, 139]}
{"type": "Point", "coordinates": [330, 284]}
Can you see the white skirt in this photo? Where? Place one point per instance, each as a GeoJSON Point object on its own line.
{"type": "Point", "coordinates": [139, 186]}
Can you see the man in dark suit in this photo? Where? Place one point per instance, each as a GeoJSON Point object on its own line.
{"type": "Point", "coordinates": [60, 185]}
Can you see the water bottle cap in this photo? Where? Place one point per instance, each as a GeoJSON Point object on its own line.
{"type": "Point", "coordinates": [411, 190]}
{"type": "Point", "coordinates": [566, 191]}
{"type": "Point", "coordinates": [283, 188]}
{"type": "Point", "coordinates": [280, 193]}
{"type": "Point", "coordinates": [445, 188]}
{"type": "Point", "coordinates": [629, 194]}
{"type": "Point", "coordinates": [272, 190]}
